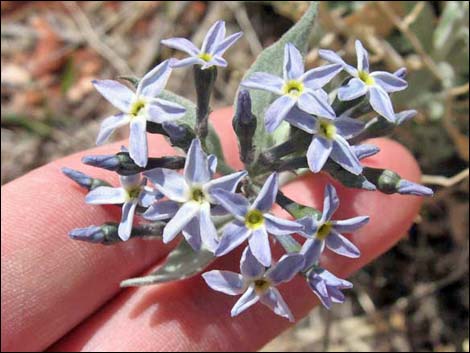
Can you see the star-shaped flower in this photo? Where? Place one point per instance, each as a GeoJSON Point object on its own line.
{"type": "Point", "coordinates": [256, 283]}
{"type": "Point", "coordinates": [214, 46]}
{"type": "Point", "coordinates": [190, 198]}
{"type": "Point", "coordinates": [137, 108]}
{"type": "Point", "coordinates": [326, 232]}
{"type": "Point", "coordinates": [132, 192]}
{"type": "Point", "coordinates": [376, 84]}
{"type": "Point", "coordinates": [327, 286]}
{"type": "Point", "coordinates": [253, 222]}
{"type": "Point", "coordinates": [295, 88]}
{"type": "Point", "coordinates": [329, 139]}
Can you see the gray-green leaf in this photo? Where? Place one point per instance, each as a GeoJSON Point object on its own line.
{"type": "Point", "coordinates": [181, 263]}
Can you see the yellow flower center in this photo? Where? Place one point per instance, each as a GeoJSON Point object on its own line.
{"type": "Point", "coordinates": [136, 107]}
{"type": "Point", "coordinates": [198, 195]}
{"type": "Point", "coordinates": [366, 78]}
{"type": "Point", "coordinates": [293, 88]}
{"type": "Point", "coordinates": [261, 285]}
{"type": "Point", "coordinates": [254, 219]}
{"type": "Point", "coordinates": [206, 57]}
{"type": "Point", "coordinates": [324, 230]}
{"type": "Point", "coordinates": [327, 129]}
{"type": "Point", "coordinates": [133, 193]}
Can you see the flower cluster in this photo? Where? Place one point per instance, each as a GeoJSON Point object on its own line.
{"type": "Point", "coordinates": [213, 209]}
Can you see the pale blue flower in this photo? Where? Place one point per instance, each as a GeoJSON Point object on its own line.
{"type": "Point", "coordinates": [257, 284]}
{"type": "Point", "coordinates": [327, 286]}
{"type": "Point", "coordinates": [253, 222]}
{"type": "Point", "coordinates": [137, 108]}
{"type": "Point", "coordinates": [132, 192]}
{"type": "Point", "coordinates": [295, 88]}
{"type": "Point", "coordinates": [375, 84]}
{"type": "Point", "coordinates": [329, 139]}
{"type": "Point", "coordinates": [327, 232]}
{"type": "Point", "coordinates": [213, 48]}
{"type": "Point", "coordinates": [189, 198]}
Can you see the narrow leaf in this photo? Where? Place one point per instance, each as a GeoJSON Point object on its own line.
{"type": "Point", "coordinates": [181, 263]}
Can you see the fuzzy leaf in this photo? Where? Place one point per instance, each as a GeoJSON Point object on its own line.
{"type": "Point", "coordinates": [181, 263]}
{"type": "Point", "coordinates": [271, 60]}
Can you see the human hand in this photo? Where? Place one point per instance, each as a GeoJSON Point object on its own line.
{"type": "Point", "coordinates": [65, 295]}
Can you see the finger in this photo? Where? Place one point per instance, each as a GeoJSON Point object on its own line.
{"type": "Point", "coordinates": [49, 282]}
{"type": "Point", "coordinates": [188, 316]}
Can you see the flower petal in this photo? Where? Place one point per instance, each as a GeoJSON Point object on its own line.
{"type": "Point", "coordinates": [362, 57]}
{"type": "Point", "coordinates": [318, 152]}
{"type": "Point", "coordinates": [116, 93]}
{"type": "Point", "coordinates": [215, 61]}
{"type": "Point", "coordinates": [348, 127]}
{"type": "Point", "coordinates": [287, 267]}
{"type": "Point", "coordinates": [406, 187]}
{"type": "Point", "coordinates": [138, 149]}
{"type": "Point", "coordinates": [364, 150]}
{"type": "Point", "coordinates": [405, 115]}
{"type": "Point", "coordinates": [187, 62]}
{"type": "Point", "coordinates": [330, 203]}
{"type": "Point", "coordinates": [127, 219]}
{"type": "Point", "coordinates": [389, 82]}
{"type": "Point", "coordinates": [152, 84]}
{"type": "Point", "coordinates": [249, 266]}
{"type": "Point", "coordinates": [277, 111]}
{"type": "Point", "coordinates": [227, 282]}
{"type": "Point", "coordinates": [148, 197]}
{"type": "Point", "coordinates": [233, 203]}
{"type": "Point", "coordinates": [196, 168]}
{"type": "Point", "coordinates": [110, 124]}
{"type": "Point", "coordinates": [341, 245]}
{"type": "Point", "coordinates": [233, 235]}
{"type": "Point", "coordinates": [161, 210]}
{"type": "Point", "coordinates": [212, 161]}
{"type": "Point", "coordinates": [313, 103]}
{"type": "Point", "coordinates": [106, 195]}
{"type": "Point", "coordinates": [227, 182]}
{"type": "Point", "coordinates": [273, 300]}
{"type": "Point", "coordinates": [213, 37]}
{"type": "Point", "coordinates": [321, 291]}
{"type": "Point", "coordinates": [312, 250]}
{"type": "Point", "coordinates": [187, 211]}
{"type": "Point", "coordinates": [320, 76]}
{"type": "Point", "coordinates": [301, 120]}
{"type": "Point", "coordinates": [343, 154]}
{"type": "Point", "coordinates": [227, 43]}
{"type": "Point", "coordinates": [169, 183]}
{"type": "Point", "coordinates": [267, 195]}
{"type": "Point", "coordinates": [350, 225]}
{"type": "Point", "coordinates": [207, 228]}
{"type": "Point", "coordinates": [310, 226]}
{"type": "Point", "coordinates": [381, 103]}
{"type": "Point", "coordinates": [181, 44]}
{"type": "Point", "coordinates": [246, 300]}
{"type": "Point", "coordinates": [259, 246]}
{"type": "Point", "coordinates": [264, 82]}
{"type": "Point", "coordinates": [192, 234]}
{"type": "Point", "coordinates": [293, 63]}
{"type": "Point", "coordinates": [161, 110]}
{"type": "Point", "coordinates": [280, 226]}
{"type": "Point", "coordinates": [332, 57]}
{"type": "Point", "coordinates": [354, 89]}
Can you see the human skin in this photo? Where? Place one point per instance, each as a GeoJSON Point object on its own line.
{"type": "Point", "coordinates": [60, 294]}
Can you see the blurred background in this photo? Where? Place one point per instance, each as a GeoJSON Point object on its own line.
{"type": "Point", "coordinates": [415, 297]}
